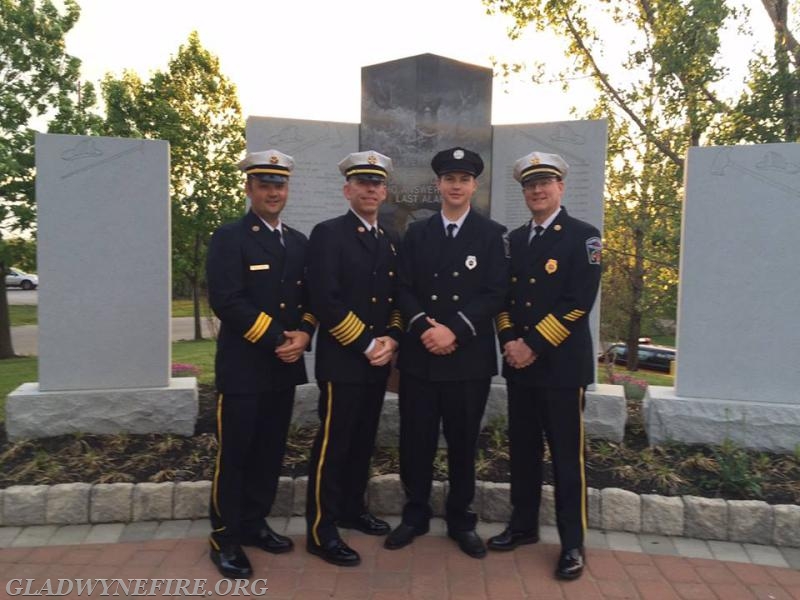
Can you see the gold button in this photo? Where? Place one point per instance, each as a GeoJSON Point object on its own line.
{"type": "Point", "coordinates": [434, 297]}
{"type": "Point", "coordinates": [455, 273]}
{"type": "Point", "coordinates": [300, 306]}
{"type": "Point", "coordinates": [391, 273]}
{"type": "Point", "coordinates": [528, 304]}
{"type": "Point", "coordinates": [374, 299]}
{"type": "Point", "coordinates": [455, 297]}
{"type": "Point", "coordinates": [532, 280]}
{"type": "Point", "coordinates": [513, 280]}
{"type": "Point", "coordinates": [435, 275]}
{"type": "Point", "coordinates": [371, 327]}
{"type": "Point", "coordinates": [282, 305]}
{"type": "Point", "coordinates": [390, 299]}
{"type": "Point", "coordinates": [299, 282]}
{"type": "Point", "coordinates": [513, 302]}
{"type": "Point", "coordinates": [526, 328]}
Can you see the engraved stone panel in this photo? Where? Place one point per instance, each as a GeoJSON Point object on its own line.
{"type": "Point", "coordinates": [413, 107]}
{"type": "Point", "coordinates": [315, 191]}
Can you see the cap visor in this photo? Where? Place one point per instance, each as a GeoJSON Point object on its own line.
{"type": "Point", "coordinates": [269, 178]}
{"type": "Point", "coordinates": [368, 177]}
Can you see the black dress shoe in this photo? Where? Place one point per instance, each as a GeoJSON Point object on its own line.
{"type": "Point", "coordinates": [366, 523]}
{"type": "Point", "coordinates": [469, 542]}
{"type": "Point", "coordinates": [335, 552]}
{"type": "Point", "coordinates": [402, 535]}
{"type": "Point", "coordinates": [231, 561]}
{"type": "Point", "coordinates": [269, 541]}
{"type": "Point", "coordinates": [510, 539]}
{"type": "Point", "coordinates": [570, 563]}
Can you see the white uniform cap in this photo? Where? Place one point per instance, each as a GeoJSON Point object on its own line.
{"type": "Point", "coordinates": [369, 165]}
{"type": "Point", "coordinates": [269, 166]}
{"type": "Point", "coordinates": [537, 165]}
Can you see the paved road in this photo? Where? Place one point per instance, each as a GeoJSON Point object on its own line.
{"type": "Point", "coordinates": [24, 337]}
{"type": "Point", "coordinates": [18, 296]}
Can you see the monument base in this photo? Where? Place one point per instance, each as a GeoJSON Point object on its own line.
{"type": "Point", "coordinates": [31, 413]}
{"type": "Point", "coordinates": [755, 425]}
{"type": "Point", "coordinates": [604, 417]}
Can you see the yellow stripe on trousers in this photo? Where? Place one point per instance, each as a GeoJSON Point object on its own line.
{"type": "Point", "coordinates": [323, 449]}
{"type": "Point", "coordinates": [581, 460]}
{"type": "Point", "coordinates": [215, 484]}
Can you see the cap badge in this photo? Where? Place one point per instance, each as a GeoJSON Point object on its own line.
{"type": "Point", "coordinates": [256, 228]}
{"type": "Point", "coordinates": [535, 160]}
{"type": "Point", "coordinates": [551, 266]}
{"type": "Point", "coordinates": [458, 154]}
{"type": "Point", "coordinates": [273, 159]}
{"type": "Point", "coordinates": [557, 227]}
{"type": "Point", "coordinates": [372, 159]}
{"type": "Point", "coordinates": [471, 262]}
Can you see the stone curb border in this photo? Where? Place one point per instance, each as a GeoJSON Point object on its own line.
{"type": "Point", "coordinates": [610, 509]}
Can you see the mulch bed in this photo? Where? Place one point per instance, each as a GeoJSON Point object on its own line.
{"type": "Point", "coordinates": [725, 471]}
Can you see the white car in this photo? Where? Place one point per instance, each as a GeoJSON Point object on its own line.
{"type": "Point", "coordinates": [17, 278]}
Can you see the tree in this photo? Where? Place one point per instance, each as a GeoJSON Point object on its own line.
{"type": "Point", "coordinates": [40, 82]}
{"type": "Point", "coordinates": [660, 99]}
{"type": "Point", "coordinates": [194, 107]}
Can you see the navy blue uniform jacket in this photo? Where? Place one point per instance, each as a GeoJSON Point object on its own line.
{"type": "Point", "coordinates": [553, 287]}
{"type": "Point", "coordinates": [352, 279]}
{"type": "Point", "coordinates": [462, 283]}
{"type": "Point", "coordinates": [257, 289]}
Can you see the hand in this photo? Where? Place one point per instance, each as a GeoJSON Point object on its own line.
{"type": "Point", "coordinates": [518, 354]}
{"type": "Point", "coordinates": [294, 346]}
{"type": "Point", "coordinates": [383, 351]}
{"type": "Point", "coordinates": [438, 339]}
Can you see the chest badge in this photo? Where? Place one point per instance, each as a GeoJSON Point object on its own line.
{"type": "Point", "coordinates": [551, 266]}
{"type": "Point", "coordinates": [255, 228]}
{"type": "Point", "coordinates": [471, 262]}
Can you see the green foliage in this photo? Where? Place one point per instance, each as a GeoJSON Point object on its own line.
{"type": "Point", "coordinates": [20, 253]}
{"type": "Point", "coordinates": [734, 473]}
{"type": "Point", "coordinates": [195, 107]}
{"type": "Point", "coordinates": [660, 98]}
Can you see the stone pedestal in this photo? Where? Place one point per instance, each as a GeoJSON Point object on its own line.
{"type": "Point", "coordinates": [756, 425]}
{"type": "Point", "coordinates": [32, 413]}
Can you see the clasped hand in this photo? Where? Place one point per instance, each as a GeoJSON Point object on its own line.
{"type": "Point", "coordinates": [294, 346]}
{"type": "Point", "coordinates": [518, 354]}
{"type": "Point", "coordinates": [438, 339]}
{"type": "Point", "coordinates": [383, 351]}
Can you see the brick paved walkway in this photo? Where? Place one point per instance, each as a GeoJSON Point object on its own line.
{"type": "Point", "coordinates": [431, 568]}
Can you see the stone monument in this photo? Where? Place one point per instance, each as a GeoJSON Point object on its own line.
{"type": "Point", "coordinates": [738, 339]}
{"type": "Point", "coordinates": [411, 108]}
{"type": "Point", "coordinates": [105, 295]}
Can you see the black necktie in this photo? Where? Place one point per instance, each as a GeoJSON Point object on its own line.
{"type": "Point", "coordinates": [537, 233]}
{"type": "Point", "coordinates": [451, 230]}
{"type": "Point", "coordinates": [374, 232]}
{"type": "Point", "coordinates": [276, 233]}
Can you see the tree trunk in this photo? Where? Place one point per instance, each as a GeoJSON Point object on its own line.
{"type": "Point", "coordinates": [6, 346]}
{"type": "Point", "coordinates": [637, 291]}
{"type": "Point", "coordinates": [198, 329]}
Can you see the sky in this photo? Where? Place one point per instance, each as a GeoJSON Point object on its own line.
{"type": "Point", "coordinates": [302, 59]}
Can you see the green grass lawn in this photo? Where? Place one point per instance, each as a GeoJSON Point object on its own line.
{"type": "Point", "coordinates": [24, 314]}
{"type": "Point", "coordinates": [16, 371]}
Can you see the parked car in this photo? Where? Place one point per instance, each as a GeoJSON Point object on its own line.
{"type": "Point", "coordinates": [656, 358]}
{"type": "Point", "coordinates": [17, 278]}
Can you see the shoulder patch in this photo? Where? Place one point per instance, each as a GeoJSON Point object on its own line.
{"type": "Point", "coordinates": [594, 248]}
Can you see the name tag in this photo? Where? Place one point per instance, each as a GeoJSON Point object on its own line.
{"type": "Point", "coordinates": [259, 267]}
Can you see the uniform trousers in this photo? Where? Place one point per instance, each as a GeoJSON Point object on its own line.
{"type": "Point", "coordinates": [459, 406]}
{"type": "Point", "coordinates": [251, 441]}
{"type": "Point", "coordinates": [557, 414]}
{"type": "Point", "coordinates": [340, 457]}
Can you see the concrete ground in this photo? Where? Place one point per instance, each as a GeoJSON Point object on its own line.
{"type": "Point", "coordinates": [620, 565]}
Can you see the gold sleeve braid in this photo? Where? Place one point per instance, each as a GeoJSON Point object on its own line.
{"type": "Point", "coordinates": [574, 315]}
{"type": "Point", "coordinates": [552, 330]}
{"type": "Point", "coordinates": [259, 327]}
{"type": "Point", "coordinates": [503, 321]}
{"type": "Point", "coordinates": [348, 329]}
{"type": "Point", "coordinates": [396, 320]}
{"type": "Point", "coordinates": [310, 319]}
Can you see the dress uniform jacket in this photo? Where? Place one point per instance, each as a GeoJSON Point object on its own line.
{"type": "Point", "coordinates": [554, 283]}
{"type": "Point", "coordinates": [257, 289]}
{"type": "Point", "coordinates": [352, 279]}
{"type": "Point", "coordinates": [461, 283]}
